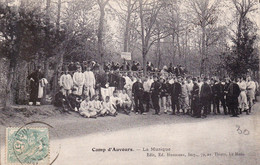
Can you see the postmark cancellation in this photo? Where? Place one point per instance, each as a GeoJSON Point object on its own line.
{"type": "Point", "coordinates": [27, 145]}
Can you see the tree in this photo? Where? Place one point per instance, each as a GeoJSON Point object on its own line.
{"type": "Point", "coordinates": [22, 34]}
{"type": "Point", "coordinates": [102, 4]}
{"type": "Point", "coordinates": [204, 14]}
{"type": "Point", "coordinates": [148, 13]}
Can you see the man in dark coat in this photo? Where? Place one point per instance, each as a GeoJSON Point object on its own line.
{"type": "Point", "coordinates": [195, 102]}
{"type": "Point", "coordinates": [205, 95]}
{"type": "Point", "coordinates": [138, 92]}
{"type": "Point", "coordinates": [233, 92]}
{"type": "Point", "coordinates": [112, 82]}
{"type": "Point", "coordinates": [217, 91]}
{"type": "Point", "coordinates": [104, 85]}
{"type": "Point", "coordinates": [120, 82]}
{"type": "Point", "coordinates": [34, 79]}
{"type": "Point", "coordinates": [175, 95]}
{"type": "Point", "coordinates": [61, 101]}
{"type": "Point", "coordinates": [155, 94]}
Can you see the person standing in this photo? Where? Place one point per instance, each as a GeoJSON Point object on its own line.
{"type": "Point", "coordinates": [89, 83]}
{"type": "Point", "coordinates": [195, 102]}
{"type": "Point", "coordinates": [34, 79]}
{"type": "Point", "coordinates": [66, 82]}
{"type": "Point", "coordinates": [112, 82]}
{"type": "Point", "coordinates": [163, 94]}
{"type": "Point", "coordinates": [205, 95]}
{"type": "Point", "coordinates": [216, 94]}
{"type": "Point", "coordinates": [78, 79]}
{"type": "Point", "coordinates": [105, 85]}
{"type": "Point", "coordinates": [190, 87]}
{"type": "Point", "coordinates": [155, 94]}
{"type": "Point", "coordinates": [138, 92]}
{"type": "Point", "coordinates": [250, 92]}
{"type": "Point", "coordinates": [120, 82]}
{"type": "Point", "coordinates": [147, 87]}
{"type": "Point", "coordinates": [242, 99]}
{"type": "Point", "coordinates": [233, 92]}
{"type": "Point", "coordinates": [184, 97]}
{"type": "Point", "coordinates": [175, 95]}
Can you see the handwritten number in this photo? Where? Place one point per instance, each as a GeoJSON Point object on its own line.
{"type": "Point", "coordinates": [246, 132]}
{"type": "Point", "coordinates": [239, 131]}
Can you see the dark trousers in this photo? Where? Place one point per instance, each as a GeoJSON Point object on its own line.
{"type": "Point", "coordinates": [233, 109]}
{"type": "Point", "coordinates": [147, 100]}
{"type": "Point", "coordinates": [138, 99]}
{"type": "Point", "coordinates": [216, 100]}
{"type": "Point", "coordinates": [205, 104]}
{"type": "Point", "coordinates": [34, 94]}
{"type": "Point", "coordinates": [195, 106]}
{"type": "Point", "coordinates": [155, 100]}
{"type": "Point", "coordinates": [223, 103]}
{"type": "Point", "coordinates": [175, 103]}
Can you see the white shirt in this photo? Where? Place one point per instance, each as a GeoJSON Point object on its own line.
{"type": "Point", "coordinates": [66, 81]}
{"type": "Point", "coordinates": [90, 80]}
{"type": "Point", "coordinates": [190, 86]}
{"type": "Point", "coordinates": [78, 78]}
{"type": "Point", "coordinates": [128, 82]}
{"type": "Point", "coordinates": [242, 85]}
{"type": "Point", "coordinates": [124, 97]}
{"type": "Point", "coordinates": [251, 85]}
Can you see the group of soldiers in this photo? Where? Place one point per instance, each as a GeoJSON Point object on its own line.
{"type": "Point", "coordinates": [127, 66]}
{"type": "Point", "coordinates": [163, 91]}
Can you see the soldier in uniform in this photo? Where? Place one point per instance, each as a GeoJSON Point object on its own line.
{"type": "Point", "coordinates": [105, 85]}
{"type": "Point", "coordinates": [233, 92]}
{"type": "Point", "coordinates": [155, 94]}
{"type": "Point", "coordinates": [175, 95]}
{"type": "Point", "coordinates": [138, 92]}
{"type": "Point", "coordinates": [195, 102]}
{"type": "Point", "coordinates": [205, 95]}
{"type": "Point", "coordinates": [112, 82]}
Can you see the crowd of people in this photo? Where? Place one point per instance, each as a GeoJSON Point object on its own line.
{"type": "Point", "coordinates": [93, 94]}
{"type": "Point", "coordinates": [126, 66]}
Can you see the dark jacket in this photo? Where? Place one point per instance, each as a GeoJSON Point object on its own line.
{"type": "Point", "coordinates": [112, 80]}
{"type": "Point", "coordinates": [205, 91]}
{"type": "Point", "coordinates": [156, 88]}
{"type": "Point", "coordinates": [195, 91]}
{"type": "Point", "coordinates": [233, 92]}
{"type": "Point", "coordinates": [138, 89]}
{"type": "Point", "coordinates": [175, 89]}
{"type": "Point", "coordinates": [104, 80]}
{"type": "Point", "coordinates": [120, 83]}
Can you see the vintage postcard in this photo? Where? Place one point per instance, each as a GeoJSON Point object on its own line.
{"type": "Point", "coordinates": [123, 82]}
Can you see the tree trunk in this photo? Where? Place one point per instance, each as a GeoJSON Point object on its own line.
{"type": "Point", "coordinates": [173, 47]}
{"type": "Point", "coordinates": [9, 99]}
{"type": "Point", "coordinates": [202, 69]}
{"type": "Point", "coordinates": [100, 33]}
{"type": "Point", "coordinates": [58, 18]}
{"type": "Point", "coordinates": [126, 35]}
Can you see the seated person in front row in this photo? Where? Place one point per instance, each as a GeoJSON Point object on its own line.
{"type": "Point", "coordinates": [97, 105]}
{"type": "Point", "coordinates": [74, 100]}
{"type": "Point", "coordinates": [108, 107]}
{"type": "Point", "coordinates": [125, 101]}
{"type": "Point", "coordinates": [87, 109]}
{"type": "Point", "coordinates": [61, 101]}
{"type": "Point", "coordinates": [116, 101]}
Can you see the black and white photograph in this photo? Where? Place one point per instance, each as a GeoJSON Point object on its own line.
{"type": "Point", "coordinates": [123, 82]}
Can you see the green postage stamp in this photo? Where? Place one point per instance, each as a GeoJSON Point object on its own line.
{"type": "Point", "coordinates": [27, 146]}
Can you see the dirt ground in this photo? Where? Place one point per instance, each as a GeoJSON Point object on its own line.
{"type": "Point", "coordinates": [74, 137]}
